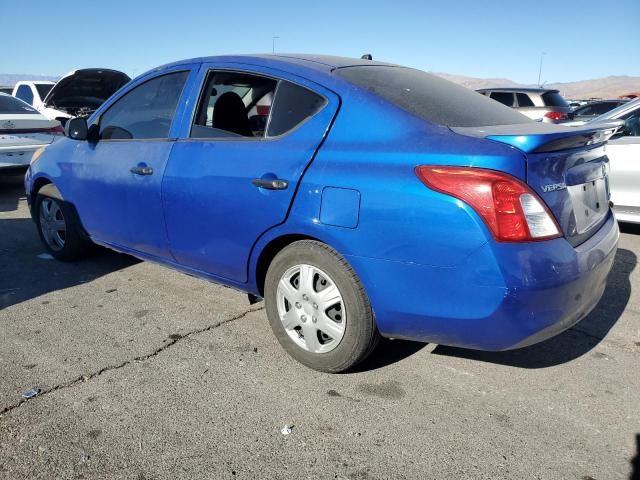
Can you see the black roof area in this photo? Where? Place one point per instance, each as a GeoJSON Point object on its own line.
{"type": "Point", "coordinates": [519, 89]}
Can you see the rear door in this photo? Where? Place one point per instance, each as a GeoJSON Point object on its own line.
{"type": "Point", "coordinates": [234, 172]}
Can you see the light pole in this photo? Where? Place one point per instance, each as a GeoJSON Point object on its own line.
{"type": "Point", "coordinates": [273, 43]}
{"type": "Point", "coordinates": [540, 68]}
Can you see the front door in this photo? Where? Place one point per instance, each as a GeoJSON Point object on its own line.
{"type": "Point", "coordinates": [234, 174]}
{"type": "Point", "coordinates": [119, 176]}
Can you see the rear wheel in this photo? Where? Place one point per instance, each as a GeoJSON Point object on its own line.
{"type": "Point", "coordinates": [59, 229]}
{"type": "Point", "coordinates": [318, 309]}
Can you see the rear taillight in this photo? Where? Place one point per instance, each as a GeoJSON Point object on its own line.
{"type": "Point", "coordinates": [510, 209]}
{"type": "Point", "coordinates": [57, 130]}
{"type": "Point", "coordinates": [556, 116]}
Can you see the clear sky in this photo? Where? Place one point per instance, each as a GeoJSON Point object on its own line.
{"type": "Point", "coordinates": [583, 39]}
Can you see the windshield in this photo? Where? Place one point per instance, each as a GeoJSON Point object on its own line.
{"type": "Point", "coordinates": [431, 97]}
{"type": "Point", "coordinates": [9, 104]}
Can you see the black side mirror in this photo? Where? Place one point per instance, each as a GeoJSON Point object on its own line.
{"type": "Point", "coordinates": [76, 128]}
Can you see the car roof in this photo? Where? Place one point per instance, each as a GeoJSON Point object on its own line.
{"type": "Point", "coordinates": [311, 66]}
{"type": "Point", "coordinates": [523, 90]}
{"type": "Point", "coordinates": [319, 62]}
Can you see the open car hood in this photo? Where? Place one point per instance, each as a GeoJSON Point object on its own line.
{"type": "Point", "coordinates": [83, 91]}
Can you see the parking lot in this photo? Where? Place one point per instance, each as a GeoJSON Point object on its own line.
{"type": "Point", "coordinates": [149, 374]}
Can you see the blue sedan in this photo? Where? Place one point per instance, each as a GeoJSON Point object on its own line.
{"type": "Point", "coordinates": [359, 199]}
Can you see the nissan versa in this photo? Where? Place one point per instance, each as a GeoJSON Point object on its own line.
{"type": "Point", "coordinates": [360, 199]}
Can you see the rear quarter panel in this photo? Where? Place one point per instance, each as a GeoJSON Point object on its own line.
{"type": "Point", "coordinates": [373, 149]}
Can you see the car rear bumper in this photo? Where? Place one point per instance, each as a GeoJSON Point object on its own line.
{"type": "Point", "coordinates": [503, 296]}
{"type": "Point", "coordinates": [17, 156]}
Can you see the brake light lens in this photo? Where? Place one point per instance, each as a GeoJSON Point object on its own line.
{"type": "Point", "coordinates": [557, 115]}
{"type": "Point", "coordinates": [509, 208]}
{"type": "Point", "coordinates": [57, 130]}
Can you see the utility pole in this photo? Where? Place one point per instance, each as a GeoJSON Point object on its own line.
{"type": "Point", "coordinates": [540, 68]}
{"type": "Point", "coordinates": [273, 43]}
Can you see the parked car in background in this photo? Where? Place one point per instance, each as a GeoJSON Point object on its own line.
{"type": "Point", "coordinates": [595, 109]}
{"type": "Point", "coordinates": [7, 90]}
{"type": "Point", "coordinates": [371, 201]}
{"type": "Point", "coordinates": [536, 103]}
{"type": "Point", "coordinates": [81, 92]}
{"type": "Point", "coordinates": [623, 151]}
{"type": "Point", "coordinates": [32, 92]}
{"type": "Point", "coordinates": [22, 131]}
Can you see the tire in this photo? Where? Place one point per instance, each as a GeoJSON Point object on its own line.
{"type": "Point", "coordinates": [318, 309]}
{"type": "Point", "coordinates": [59, 227]}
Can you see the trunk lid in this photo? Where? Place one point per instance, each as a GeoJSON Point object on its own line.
{"type": "Point", "coordinates": [26, 130]}
{"type": "Point", "coordinates": [567, 167]}
{"type": "Point", "coordinates": [83, 91]}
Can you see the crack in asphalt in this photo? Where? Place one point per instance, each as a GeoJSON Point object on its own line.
{"type": "Point", "coordinates": [172, 340]}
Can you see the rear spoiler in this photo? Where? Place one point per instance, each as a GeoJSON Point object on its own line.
{"type": "Point", "coordinates": [536, 137]}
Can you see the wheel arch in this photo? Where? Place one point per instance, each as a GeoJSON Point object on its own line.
{"type": "Point", "coordinates": [42, 182]}
{"type": "Point", "coordinates": [270, 250]}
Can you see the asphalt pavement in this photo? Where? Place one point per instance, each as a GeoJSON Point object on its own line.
{"type": "Point", "coordinates": [145, 373]}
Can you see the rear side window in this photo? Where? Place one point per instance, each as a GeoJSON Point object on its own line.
{"type": "Point", "coordinates": [9, 104]}
{"type": "Point", "coordinates": [293, 105]}
{"type": "Point", "coordinates": [146, 111]}
{"type": "Point", "coordinates": [430, 97]}
{"type": "Point", "coordinates": [554, 99]}
{"type": "Point", "coordinates": [25, 94]}
{"type": "Point", "coordinates": [505, 98]}
{"type": "Point", "coordinates": [233, 104]}
{"type": "Point", "coordinates": [524, 100]}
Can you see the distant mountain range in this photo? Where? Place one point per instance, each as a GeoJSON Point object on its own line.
{"type": "Point", "coordinates": [10, 79]}
{"type": "Point", "coordinates": [608, 87]}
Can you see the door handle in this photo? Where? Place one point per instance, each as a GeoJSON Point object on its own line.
{"type": "Point", "coordinates": [270, 183]}
{"type": "Point", "coordinates": [141, 170]}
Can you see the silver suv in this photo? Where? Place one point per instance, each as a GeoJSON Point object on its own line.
{"type": "Point", "coordinates": [536, 103]}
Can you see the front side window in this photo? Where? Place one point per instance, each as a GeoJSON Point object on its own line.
{"type": "Point", "coordinates": [146, 111]}
{"type": "Point", "coordinates": [25, 94]}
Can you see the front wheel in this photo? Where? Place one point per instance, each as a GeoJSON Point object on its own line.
{"type": "Point", "coordinates": [318, 308]}
{"type": "Point", "coordinates": [58, 228]}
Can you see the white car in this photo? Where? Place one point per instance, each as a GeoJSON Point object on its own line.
{"type": "Point", "coordinates": [22, 131]}
{"type": "Point", "coordinates": [623, 150]}
{"type": "Point", "coordinates": [32, 92]}
{"type": "Point", "coordinates": [81, 92]}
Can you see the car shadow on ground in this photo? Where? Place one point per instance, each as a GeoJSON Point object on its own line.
{"type": "Point", "coordinates": [11, 192]}
{"type": "Point", "coordinates": [635, 461]}
{"type": "Point", "coordinates": [578, 340]}
{"type": "Point", "coordinates": [28, 272]}
{"type": "Point", "coordinates": [632, 228]}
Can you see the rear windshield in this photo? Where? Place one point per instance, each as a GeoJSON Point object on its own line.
{"type": "Point", "coordinates": [43, 89]}
{"type": "Point", "coordinates": [430, 97]}
{"type": "Point", "coordinates": [554, 99]}
{"type": "Point", "coordinates": [10, 104]}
